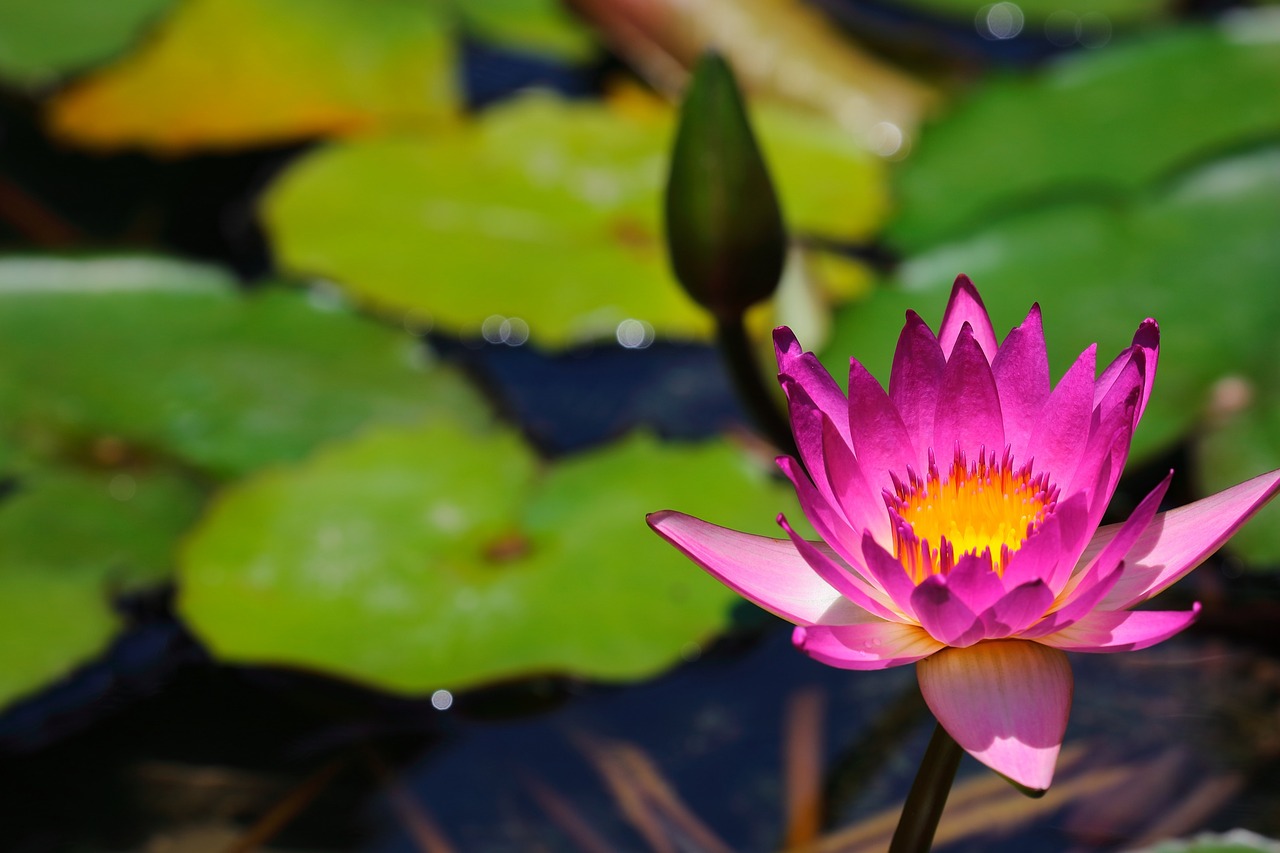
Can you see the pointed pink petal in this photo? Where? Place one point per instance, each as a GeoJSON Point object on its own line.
{"type": "Point", "coordinates": [1049, 554]}
{"type": "Point", "coordinates": [808, 426]}
{"type": "Point", "coordinates": [1179, 540]}
{"type": "Point", "coordinates": [886, 572]}
{"type": "Point", "coordinates": [768, 572]}
{"type": "Point", "coordinates": [1116, 547]}
{"type": "Point", "coordinates": [968, 414]}
{"type": "Point", "coordinates": [1021, 371]}
{"type": "Point", "coordinates": [863, 509]}
{"type": "Point", "coordinates": [1146, 341]}
{"type": "Point", "coordinates": [975, 583]}
{"type": "Point", "coordinates": [1120, 630]}
{"type": "Point", "coordinates": [918, 365]}
{"type": "Point", "coordinates": [1016, 609]}
{"type": "Point", "coordinates": [841, 579]}
{"type": "Point", "coordinates": [827, 520]}
{"type": "Point", "coordinates": [1105, 453]}
{"type": "Point", "coordinates": [1005, 702]}
{"type": "Point", "coordinates": [872, 645]}
{"type": "Point", "coordinates": [880, 441]}
{"type": "Point", "coordinates": [808, 373]}
{"type": "Point", "coordinates": [941, 612]}
{"type": "Point", "coordinates": [965, 306]}
{"type": "Point", "coordinates": [1058, 440]}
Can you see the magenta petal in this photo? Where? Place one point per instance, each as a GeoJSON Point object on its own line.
{"type": "Point", "coordinates": [872, 645]}
{"type": "Point", "coordinates": [918, 365]}
{"type": "Point", "coordinates": [1120, 630]}
{"type": "Point", "coordinates": [1016, 609]}
{"type": "Point", "coordinates": [968, 414]}
{"type": "Point", "coordinates": [841, 578]}
{"type": "Point", "coordinates": [1179, 540]}
{"type": "Point", "coordinates": [941, 612]}
{"type": "Point", "coordinates": [864, 510]}
{"type": "Point", "coordinates": [808, 425]}
{"type": "Point", "coordinates": [768, 572]}
{"type": "Point", "coordinates": [1005, 702]}
{"type": "Point", "coordinates": [965, 306]}
{"type": "Point", "coordinates": [1146, 348]}
{"type": "Point", "coordinates": [827, 520]}
{"type": "Point", "coordinates": [885, 570]}
{"type": "Point", "coordinates": [880, 441]}
{"type": "Point", "coordinates": [1021, 372]}
{"type": "Point", "coordinates": [1059, 438]}
{"type": "Point", "coordinates": [808, 373]}
{"type": "Point", "coordinates": [975, 582]}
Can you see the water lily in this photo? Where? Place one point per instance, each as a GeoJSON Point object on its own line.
{"type": "Point", "coordinates": [959, 514]}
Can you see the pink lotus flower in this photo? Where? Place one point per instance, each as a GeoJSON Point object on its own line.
{"type": "Point", "coordinates": [959, 515]}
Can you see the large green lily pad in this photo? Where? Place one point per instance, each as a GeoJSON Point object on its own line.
{"type": "Point", "coordinates": [1102, 123]}
{"type": "Point", "coordinates": [170, 360]}
{"type": "Point", "coordinates": [68, 542]}
{"type": "Point", "coordinates": [545, 210]}
{"type": "Point", "coordinates": [229, 73]}
{"type": "Point", "coordinates": [43, 41]}
{"type": "Point", "coordinates": [1201, 257]}
{"type": "Point", "coordinates": [439, 557]}
{"type": "Point", "coordinates": [540, 26]}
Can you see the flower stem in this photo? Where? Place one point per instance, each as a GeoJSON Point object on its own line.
{"type": "Point", "coordinates": [928, 796]}
{"type": "Point", "coordinates": [735, 347]}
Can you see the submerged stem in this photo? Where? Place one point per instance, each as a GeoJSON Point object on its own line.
{"type": "Point", "coordinates": [928, 795]}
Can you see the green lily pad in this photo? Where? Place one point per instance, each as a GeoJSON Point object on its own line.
{"type": "Point", "coordinates": [1102, 122]}
{"type": "Point", "coordinates": [169, 359]}
{"type": "Point", "coordinates": [440, 557]}
{"type": "Point", "coordinates": [545, 210]}
{"type": "Point", "coordinates": [284, 70]}
{"type": "Point", "coordinates": [69, 541]}
{"type": "Point", "coordinates": [1037, 12]}
{"type": "Point", "coordinates": [41, 42]}
{"type": "Point", "coordinates": [1235, 841]}
{"type": "Point", "coordinates": [541, 26]}
{"type": "Point", "coordinates": [1201, 257]}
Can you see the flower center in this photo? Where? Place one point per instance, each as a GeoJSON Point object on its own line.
{"type": "Point", "coordinates": [987, 507]}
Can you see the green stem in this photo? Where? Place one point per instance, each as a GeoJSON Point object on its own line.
{"type": "Point", "coordinates": [739, 357]}
{"type": "Point", "coordinates": [928, 796]}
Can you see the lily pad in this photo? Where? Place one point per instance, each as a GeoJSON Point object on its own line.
{"type": "Point", "coordinates": [540, 26]}
{"type": "Point", "coordinates": [169, 360]}
{"type": "Point", "coordinates": [285, 70]}
{"type": "Point", "coordinates": [1105, 123]}
{"type": "Point", "coordinates": [69, 541]}
{"type": "Point", "coordinates": [1037, 12]}
{"type": "Point", "coordinates": [41, 42]}
{"type": "Point", "coordinates": [1201, 257]}
{"type": "Point", "coordinates": [439, 557]}
{"type": "Point", "coordinates": [546, 211]}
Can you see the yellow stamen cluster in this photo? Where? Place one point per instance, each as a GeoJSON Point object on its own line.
{"type": "Point", "coordinates": [986, 507]}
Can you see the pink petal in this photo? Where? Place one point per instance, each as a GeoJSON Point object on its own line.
{"type": "Point", "coordinates": [841, 579]}
{"type": "Point", "coordinates": [804, 369]}
{"type": "Point", "coordinates": [1059, 438]}
{"type": "Point", "coordinates": [864, 510]}
{"type": "Point", "coordinates": [1016, 609]}
{"type": "Point", "coordinates": [880, 441]}
{"type": "Point", "coordinates": [1005, 702]}
{"type": "Point", "coordinates": [887, 572]}
{"type": "Point", "coordinates": [965, 306]}
{"type": "Point", "coordinates": [768, 572]}
{"type": "Point", "coordinates": [968, 414]}
{"type": "Point", "coordinates": [871, 645]}
{"type": "Point", "coordinates": [827, 520]}
{"type": "Point", "coordinates": [918, 365]}
{"type": "Point", "coordinates": [1146, 342]}
{"type": "Point", "coordinates": [1116, 547]}
{"type": "Point", "coordinates": [1120, 630]}
{"type": "Point", "coordinates": [1021, 371]}
{"type": "Point", "coordinates": [1179, 540]}
{"type": "Point", "coordinates": [941, 612]}
{"type": "Point", "coordinates": [1049, 554]}
{"type": "Point", "coordinates": [808, 425]}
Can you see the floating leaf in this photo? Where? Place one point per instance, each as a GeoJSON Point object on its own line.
{"type": "Point", "coordinates": [414, 559]}
{"type": "Point", "coordinates": [227, 73]}
{"type": "Point", "coordinates": [40, 42]}
{"type": "Point", "coordinates": [169, 359]}
{"type": "Point", "coordinates": [68, 541]}
{"type": "Point", "coordinates": [1201, 257]}
{"type": "Point", "coordinates": [1099, 13]}
{"type": "Point", "coordinates": [540, 26]}
{"type": "Point", "coordinates": [545, 210]}
{"type": "Point", "coordinates": [1110, 121]}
